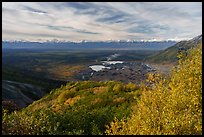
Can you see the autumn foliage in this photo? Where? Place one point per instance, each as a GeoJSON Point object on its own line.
{"type": "Point", "coordinates": [172, 106]}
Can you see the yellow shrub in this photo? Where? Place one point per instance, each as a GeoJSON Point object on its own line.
{"type": "Point", "coordinates": [173, 106]}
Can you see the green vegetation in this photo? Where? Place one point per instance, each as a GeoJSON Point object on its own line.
{"type": "Point", "coordinates": [76, 108]}
{"type": "Point", "coordinates": [170, 106]}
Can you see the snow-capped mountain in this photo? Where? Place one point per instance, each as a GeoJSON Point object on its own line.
{"type": "Point", "coordinates": [121, 44]}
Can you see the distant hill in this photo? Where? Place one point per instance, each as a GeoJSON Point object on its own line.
{"type": "Point", "coordinates": [23, 94]}
{"type": "Point", "coordinates": [23, 87]}
{"type": "Point", "coordinates": [169, 55]}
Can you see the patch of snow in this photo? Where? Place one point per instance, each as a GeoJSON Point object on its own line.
{"type": "Point", "coordinates": [98, 67]}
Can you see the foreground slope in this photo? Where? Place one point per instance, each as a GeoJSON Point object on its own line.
{"type": "Point", "coordinates": [171, 106]}
{"type": "Point", "coordinates": [77, 108]}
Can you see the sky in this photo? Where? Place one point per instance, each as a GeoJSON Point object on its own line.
{"type": "Point", "coordinates": [101, 21]}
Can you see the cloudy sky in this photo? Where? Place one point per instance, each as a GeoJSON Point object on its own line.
{"type": "Point", "coordinates": [100, 21]}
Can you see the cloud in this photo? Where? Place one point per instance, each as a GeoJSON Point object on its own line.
{"type": "Point", "coordinates": [78, 5]}
{"type": "Point", "coordinates": [101, 21]}
{"type": "Point", "coordinates": [86, 32]}
{"type": "Point", "coordinates": [65, 28]}
{"type": "Point", "coordinates": [111, 19]}
{"type": "Point", "coordinates": [34, 10]}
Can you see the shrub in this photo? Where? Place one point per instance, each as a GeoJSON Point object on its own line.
{"type": "Point", "coordinates": [171, 106]}
{"type": "Point", "coordinates": [117, 88]}
{"type": "Point", "coordinates": [131, 87]}
{"type": "Point", "coordinates": [63, 96]}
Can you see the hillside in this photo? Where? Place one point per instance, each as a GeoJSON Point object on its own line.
{"type": "Point", "coordinates": [169, 55]}
{"type": "Point", "coordinates": [23, 94]}
{"type": "Point", "coordinates": [77, 108]}
{"type": "Point", "coordinates": [24, 87]}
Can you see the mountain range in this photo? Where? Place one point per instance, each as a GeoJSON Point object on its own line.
{"type": "Point", "coordinates": [87, 45]}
